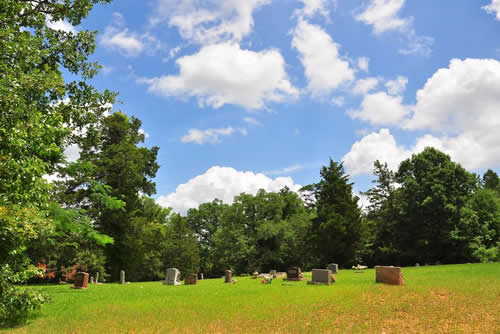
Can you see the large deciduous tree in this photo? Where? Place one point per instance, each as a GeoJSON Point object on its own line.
{"type": "Point", "coordinates": [123, 169]}
{"type": "Point", "coordinates": [434, 190]}
{"type": "Point", "coordinates": [41, 114]}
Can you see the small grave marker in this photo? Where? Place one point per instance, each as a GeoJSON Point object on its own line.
{"type": "Point", "coordinates": [173, 277]}
{"type": "Point", "coordinates": [322, 276]}
{"type": "Point", "coordinates": [191, 279]}
{"type": "Point", "coordinates": [294, 274]}
{"type": "Point", "coordinates": [389, 275]}
{"type": "Point", "coordinates": [81, 281]}
{"type": "Point", "coordinates": [333, 267]}
{"type": "Point", "coordinates": [97, 278]}
{"type": "Point", "coordinates": [122, 277]}
{"type": "Point", "coordinates": [228, 276]}
{"type": "Point", "coordinates": [92, 280]}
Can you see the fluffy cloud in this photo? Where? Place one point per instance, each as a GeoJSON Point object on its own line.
{"type": "Point", "coordinates": [311, 7]}
{"type": "Point", "coordinates": [211, 136]}
{"type": "Point", "coordinates": [383, 15]}
{"type": "Point", "coordinates": [209, 21]}
{"type": "Point", "coordinates": [381, 109]}
{"type": "Point", "coordinates": [493, 8]}
{"type": "Point", "coordinates": [324, 68]}
{"type": "Point", "coordinates": [363, 86]}
{"type": "Point", "coordinates": [397, 86]}
{"type": "Point", "coordinates": [130, 44]}
{"type": "Point", "coordinates": [223, 183]}
{"type": "Point", "coordinates": [375, 146]}
{"type": "Point", "coordinates": [463, 97]}
{"type": "Point", "coordinates": [225, 74]}
{"type": "Point", "coordinates": [459, 105]}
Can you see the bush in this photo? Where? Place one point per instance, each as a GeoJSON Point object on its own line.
{"type": "Point", "coordinates": [16, 305]}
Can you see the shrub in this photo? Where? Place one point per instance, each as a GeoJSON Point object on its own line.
{"type": "Point", "coordinates": [15, 304]}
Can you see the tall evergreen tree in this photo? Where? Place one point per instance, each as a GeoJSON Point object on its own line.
{"type": "Point", "coordinates": [337, 229]}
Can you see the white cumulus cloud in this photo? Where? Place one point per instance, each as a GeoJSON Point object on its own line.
{"type": "Point", "coordinates": [381, 109]}
{"type": "Point", "coordinates": [209, 21]}
{"type": "Point", "coordinates": [383, 16]}
{"type": "Point", "coordinates": [223, 183]}
{"type": "Point", "coordinates": [459, 105]}
{"type": "Point", "coordinates": [375, 146]}
{"type": "Point", "coordinates": [324, 68]}
{"type": "Point", "coordinates": [211, 136]}
{"type": "Point", "coordinates": [397, 86]}
{"type": "Point", "coordinates": [363, 86]}
{"type": "Point", "coordinates": [493, 8]}
{"type": "Point", "coordinates": [117, 37]}
{"type": "Point", "coordinates": [312, 7]}
{"type": "Point", "coordinates": [226, 74]}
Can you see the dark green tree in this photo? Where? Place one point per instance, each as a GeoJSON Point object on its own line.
{"type": "Point", "coordinates": [434, 190]}
{"type": "Point", "coordinates": [181, 249]}
{"type": "Point", "coordinates": [491, 181]}
{"type": "Point", "coordinates": [205, 221]}
{"type": "Point", "coordinates": [383, 215]}
{"type": "Point", "coordinates": [337, 229]}
{"type": "Point", "coordinates": [115, 170]}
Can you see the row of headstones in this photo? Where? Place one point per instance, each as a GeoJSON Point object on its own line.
{"type": "Point", "coordinates": [383, 274]}
{"type": "Point", "coordinates": [81, 279]}
{"type": "Point", "coordinates": [173, 277]}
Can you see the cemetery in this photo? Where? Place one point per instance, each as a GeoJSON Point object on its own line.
{"type": "Point", "coordinates": [448, 299]}
{"type": "Point", "coordinates": [236, 166]}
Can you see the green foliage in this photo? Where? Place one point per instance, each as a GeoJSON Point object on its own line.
{"type": "Point", "coordinates": [41, 114]}
{"type": "Point", "coordinates": [337, 230]}
{"type": "Point", "coordinates": [16, 305]}
{"type": "Point", "coordinates": [181, 249]}
{"type": "Point", "coordinates": [432, 210]}
{"type": "Point", "coordinates": [108, 181]}
{"type": "Point", "coordinates": [262, 232]}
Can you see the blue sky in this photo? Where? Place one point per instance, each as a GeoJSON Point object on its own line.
{"type": "Point", "coordinates": [241, 95]}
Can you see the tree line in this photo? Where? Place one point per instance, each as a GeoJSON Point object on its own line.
{"type": "Point", "coordinates": [98, 215]}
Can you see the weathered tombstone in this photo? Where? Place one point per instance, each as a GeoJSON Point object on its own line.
{"type": "Point", "coordinates": [122, 277]}
{"type": "Point", "coordinates": [97, 278]}
{"type": "Point", "coordinates": [201, 276]}
{"type": "Point", "coordinates": [173, 277]}
{"type": "Point", "coordinates": [322, 276]}
{"type": "Point", "coordinates": [417, 264]}
{"type": "Point", "coordinates": [228, 276]}
{"type": "Point", "coordinates": [294, 274]}
{"type": "Point", "coordinates": [389, 275]}
{"type": "Point", "coordinates": [92, 280]}
{"type": "Point", "coordinates": [191, 279]}
{"type": "Point", "coordinates": [81, 281]}
{"type": "Point", "coordinates": [333, 267]}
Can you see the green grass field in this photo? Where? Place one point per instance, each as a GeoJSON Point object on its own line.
{"type": "Point", "coordinates": [436, 299]}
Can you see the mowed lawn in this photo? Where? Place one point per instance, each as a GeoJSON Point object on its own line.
{"type": "Point", "coordinates": [436, 299]}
